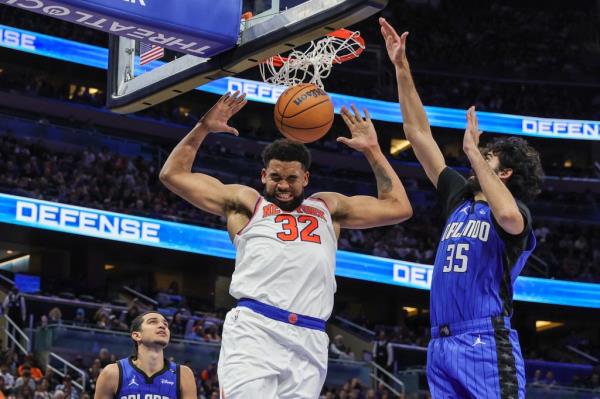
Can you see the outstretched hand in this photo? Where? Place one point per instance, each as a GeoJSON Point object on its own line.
{"type": "Point", "coordinates": [395, 44]}
{"type": "Point", "coordinates": [215, 120]}
{"type": "Point", "coordinates": [362, 130]}
{"type": "Point", "coordinates": [472, 132]}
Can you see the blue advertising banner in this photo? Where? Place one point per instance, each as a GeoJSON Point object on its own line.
{"type": "Point", "coordinates": [163, 234]}
{"type": "Point", "coordinates": [200, 27]}
{"type": "Point", "coordinates": [97, 57]}
{"type": "Point", "coordinates": [438, 116]}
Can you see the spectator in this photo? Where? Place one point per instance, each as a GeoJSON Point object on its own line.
{"type": "Point", "coordinates": [43, 390]}
{"type": "Point", "coordinates": [537, 378]}
{"type": "Point", "coordinates": [177, 326]}
{"type": "Point", "coordinates": [52, 378]}
{"type": "Point", "coordinates": [115, 324]}
{"type": "Point", "coordinates": [79, 319]}
{"type": "Point", "coordinates": [4, 391]}
{"type": "Point", "coordinates": [93, 374]}
{"type": "Point", "coordinates": [383, 352]}
{"type": "Point", "coordinates": [8, 378]}
{"type": "Point", "coordinates": [25, 391]}
{"type": "Point", "coordinates": [549, 380]}
{"type": "Point", "coordinates": [67, 388]}
{"type": "Point", "coordinates": [102, 317]}
{"type": "Point", "coordinates": [25, 379]}
{"type": "Point", "coordinates": [104, 357]}
{"type": "Point", "coordinates": [13, 362]}
{"type": "Point", "coordinates": [55, 316]}
{"type": "Point", "coordinates": [210, 333]}
{"type": "Point", "coordinates": [15, 308]}
{"type": "Point", "coordinates": [338, 350]}
{"type": "Point", "coordinates": [209, 379]}
{"type": "Point", "coordinates": [196, 332]}
{"type": "Point", "coordinates": [132, 312]}
{"type": "Point", "coordinates": [78, 363]}
{"type": "Point", "coordinates": [35, 372]}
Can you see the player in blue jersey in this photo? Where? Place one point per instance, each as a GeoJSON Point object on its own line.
{"type": "Point", "coordinates": [147, 374]}
{"type": "Point", "coordinates": [474, 352]}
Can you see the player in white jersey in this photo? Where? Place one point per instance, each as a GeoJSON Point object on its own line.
{"type": "Point", "coordinates": [274, 342]}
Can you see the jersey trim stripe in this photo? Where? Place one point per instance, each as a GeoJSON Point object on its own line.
{"type": "Point", "coordinates": [324, 203]}
{"type": "Point", "coordinates": [149, 378]}
{"type": "Point", "coordinates": [507, 368]}
{"type": "Point", "coordinates": [258, 201]}
{"type": "Point", "coordinates": [120, 383]}
{"type": "Point", "coordinates": [179, 382]}
{"type": "Point", "coordinates": [505, 287]}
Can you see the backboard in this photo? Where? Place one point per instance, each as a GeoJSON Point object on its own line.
{"type": "Point", "coordinates": [276, 26]}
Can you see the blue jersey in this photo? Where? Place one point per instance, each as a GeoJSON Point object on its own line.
{"type": "Point", "coordinates": [135, 384]}
{"type": "Point", "coordinates": [477, 262]}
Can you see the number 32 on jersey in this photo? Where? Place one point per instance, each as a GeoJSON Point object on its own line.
{"type": "Point", "coordinates": [292, 231]}
{"type": "Point", "coordinates": [457, 259]}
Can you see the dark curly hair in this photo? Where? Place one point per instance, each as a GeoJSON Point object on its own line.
{"type": "Point", "coordinates": [515, 153]}
{"type": "Point", "coordinates": [287, 151]}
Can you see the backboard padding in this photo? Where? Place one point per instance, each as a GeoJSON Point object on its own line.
{"type": "Point", "coordinates": [288, 29]}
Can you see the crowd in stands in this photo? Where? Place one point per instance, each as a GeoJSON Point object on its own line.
{"type": "Point", "coordinates": [21, 378]}
{"type": "Point", "coordinates": [517, 69]}
{"type": "Point", "coordinates": [104, 180]}
{"type": "Point", "coordinates": [353, 389]}
{"type": "Point", "coordinates": [516, 39]}
{"type": "Point", "coordinates": [546, 379]}
{"type": "Point", "coordinates": [186, 324]}
{"type": "Point", "coordinates": [19, 18]}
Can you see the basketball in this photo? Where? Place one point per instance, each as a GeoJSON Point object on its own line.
{"type": "Point", "coordinates": [304, 113]}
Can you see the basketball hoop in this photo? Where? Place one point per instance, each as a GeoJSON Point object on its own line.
{"type": "Point", "coordinates": [315, 63]}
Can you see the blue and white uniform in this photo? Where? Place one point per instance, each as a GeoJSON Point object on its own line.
{"type": "Point", "coordinates": [135, 384]}
{"type": "Point", "coordinates": [474, 352]}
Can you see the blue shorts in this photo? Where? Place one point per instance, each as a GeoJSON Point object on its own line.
{"type": "Point", "coordinates": [475, 359]}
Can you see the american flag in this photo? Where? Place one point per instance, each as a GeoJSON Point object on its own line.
{"type": "Point", "coordinates": [150, 52]}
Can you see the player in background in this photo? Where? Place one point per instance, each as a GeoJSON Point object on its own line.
{"type": "Point", "coordinates": [274, 343]}
{"type": "Point", "coordinates": [147, 373]}
{"type": "Point", "coordinates": [474, 352]}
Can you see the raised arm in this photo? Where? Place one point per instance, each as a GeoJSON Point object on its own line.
{"type": "Point", "coordinates": [360, 212]}
{"type": "Point", "coordinates": [501, 201]}
{"type": "Point", "coordinates": [416, 125]}
{"type": "Point", "coordinates": [199, 189]}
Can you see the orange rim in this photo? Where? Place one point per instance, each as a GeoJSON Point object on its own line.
{"type": "Point", "coordinates": [343, 34]}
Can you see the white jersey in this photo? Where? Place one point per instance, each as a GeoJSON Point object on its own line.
{"type": "Point", "coordinates": [287, 259]}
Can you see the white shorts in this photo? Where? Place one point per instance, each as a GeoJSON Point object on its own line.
{"type": "Point", "coordinates": [269, 359]}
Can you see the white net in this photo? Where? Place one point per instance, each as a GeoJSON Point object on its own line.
{"type": "Point", "coordinates": [313, 64]}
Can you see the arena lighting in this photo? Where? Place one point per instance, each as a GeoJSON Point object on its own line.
{"type": "Point", "coordinates": [543, 325]}
{"type": "Point", "coordinates": [398, 146]}
{"type": "Point", "coordinates": [97, 57]}
{"type": "Point", "coordinates": [410, 311]}
{"type": "Point", "coordinates": [14, 263]}
{"type": "Point", "coordinates": [89, 222]}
